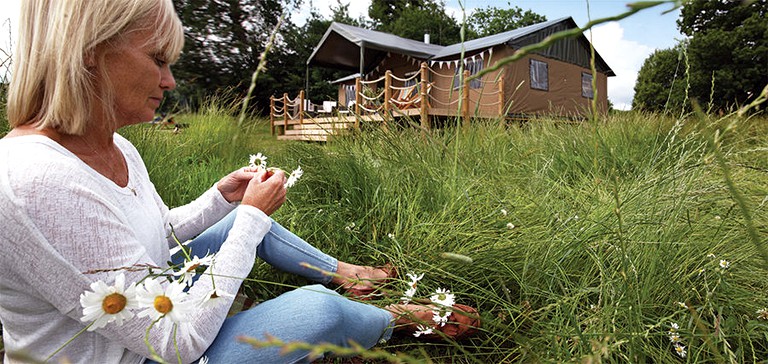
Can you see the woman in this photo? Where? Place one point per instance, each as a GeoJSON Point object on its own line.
{"type": "Point", "coordinates": [77, 207]}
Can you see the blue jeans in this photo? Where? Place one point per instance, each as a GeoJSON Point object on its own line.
{"type": "Point", "coordinates": [311, 314]}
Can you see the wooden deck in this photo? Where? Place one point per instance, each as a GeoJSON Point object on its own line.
{"type": "Point", "coordinates": [324, 128]}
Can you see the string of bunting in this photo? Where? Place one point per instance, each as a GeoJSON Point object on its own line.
{"type": "Point", "coordinates": [440, 64]}
{"type": "Point", "coordinates": [455, 62]}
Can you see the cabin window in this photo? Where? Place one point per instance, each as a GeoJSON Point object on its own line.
{"type": "Point", "coordinates": [586, 85]}
{"type": "Point", "coordinates": [473, 67]}
{"type": "Point", "coordinates": [539, 75]}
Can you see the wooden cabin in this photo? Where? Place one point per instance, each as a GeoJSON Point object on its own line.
{"type": "Point", "coordinates": [394, 77]}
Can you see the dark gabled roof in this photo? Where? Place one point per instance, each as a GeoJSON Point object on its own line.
{"type": "Point", "coordinates": [494, 40]}
{"type": "Point", "coordinates": [341, 44]}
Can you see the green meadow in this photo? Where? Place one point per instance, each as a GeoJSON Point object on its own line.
{"type": "Point", "coordinates": [577, 242]}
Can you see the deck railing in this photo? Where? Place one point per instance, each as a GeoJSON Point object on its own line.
{"type": "Point", "coordinates": [420, 91]}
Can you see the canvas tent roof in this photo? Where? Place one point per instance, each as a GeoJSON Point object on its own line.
{"type": "Point", "coordinates": [342, 46]}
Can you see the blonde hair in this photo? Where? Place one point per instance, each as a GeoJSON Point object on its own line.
{"type": "Point", "coordinates": [52, 85]}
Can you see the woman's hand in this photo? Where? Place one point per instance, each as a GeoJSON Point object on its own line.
{"type": "Point", "coordinates": [257, 187]}
{"type": "Point", "coordinates": [266, 192]}
{"type": "Point", "coordinates": [233, 185]}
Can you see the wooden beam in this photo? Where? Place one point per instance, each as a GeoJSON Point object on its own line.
{"type": "Point", "coordinates": [272, 114]}
{"type": "Point", "coordinates": [424, 96]}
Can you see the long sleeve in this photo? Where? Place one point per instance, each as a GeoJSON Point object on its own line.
{"type": "Point", "coordinates": [63, 222]}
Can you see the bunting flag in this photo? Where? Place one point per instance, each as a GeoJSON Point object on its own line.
{"type": "Point", "coordinates": [455, 62]}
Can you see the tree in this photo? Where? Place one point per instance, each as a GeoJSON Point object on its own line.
{"type": "Point", "coordinates": [302, 41]}
{"type": "Point", "coordinates": [431, 19]}
{"type": "Point", "coordinates": [412, 19]}
{"type": "Point", "coordinates": [661, 81]}
{"type": "Point", "coordinates": [224, 40]}
{"type": "Point", "coordinates": [728, 50]}
{"type": "Point", "coordinates": [385, 12]}
{"type": "Point", "coordinates": [492, 20]}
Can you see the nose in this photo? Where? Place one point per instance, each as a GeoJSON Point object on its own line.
{"type": "Point", "coordinates": [167, 82]}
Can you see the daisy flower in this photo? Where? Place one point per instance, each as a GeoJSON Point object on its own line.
{"type": "Point", "coordinates": [414, 278]}
{"type": "Point", "coordinates": [682, 304]}
{"type": "Point", "coordinates": [725, 264]}
{"type": "Point", "coordinates": [214, 298]}
{"type": "Point", "coordinates": [189, 270]}
{"type": "Point", "coordinates": [258, 158]}
{"type": "Point", "coordinates": [674, 338]}
{"type": "Point", "coordinates": [295, 175]}
{"type": "Point", "coordinates": [504, 212]}
{"type": "Point", "coordinates": [762, 314]}
{"type": "Point", "coordinates": [408, 294]}
{"type": "Point", "coordinates": [680, 350]}
{"type": "Point", "coordinates": [104, 304]}
{"type": "Point", "coordinates": [422, 330]}
{"type": "Point", "coordinates": [510, 225]}
{"type": "Point", "coordinates": [440, 317]}
{"type": "Point", "coordinates": [158, 302]}
{"type": "Point", "coordinates": [443, 297]}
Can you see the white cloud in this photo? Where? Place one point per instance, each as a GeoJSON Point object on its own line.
{"type": "Point", "coordinates": [625, 57]}
{"type": "Point", "coordinates": [357, 8]}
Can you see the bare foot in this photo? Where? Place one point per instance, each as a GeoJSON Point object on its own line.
{"type": "Point", "coordinates": [359, 276]}
{"type": "Point", "coordinates": [462, 322]}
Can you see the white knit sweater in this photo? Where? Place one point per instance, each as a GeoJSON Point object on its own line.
{"type": "Point", "coordinates": [59, 219]}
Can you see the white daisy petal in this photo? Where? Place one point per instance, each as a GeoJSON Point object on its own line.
{"type": "Point", "coordinates": [105, 304]}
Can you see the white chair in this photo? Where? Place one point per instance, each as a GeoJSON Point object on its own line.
{"type": "Point", "coordinates": [328, 107]}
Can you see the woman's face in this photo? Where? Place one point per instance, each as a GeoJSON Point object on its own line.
{"type": "Point", "coordinates": [139, 75]}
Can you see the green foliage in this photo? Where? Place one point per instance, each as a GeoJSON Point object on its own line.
{"type": "Point", "coordinates": [224, 40]}
{"type": "Point", "coordinates": [413, 19]}
{"type": "Point", "coordinates": [661, 82]}
{"type": "Point", "coordinates": [728, 50]}
{"type": "Point", "coordinates": [492, 20]}
{"type": "Point", "coordinates": [302, 40]}
{"type": "Point", "coordinates": [4, 127]}
{"type": "Point", "coordinates": [606, 227]}
{"type": "Point", "coordinates": [185, 164]}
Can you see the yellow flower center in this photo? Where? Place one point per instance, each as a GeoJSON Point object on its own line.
{"type": "Point", "coordinates": [163, 304]}
{"type": "Point", "coordinates": [114, 303]}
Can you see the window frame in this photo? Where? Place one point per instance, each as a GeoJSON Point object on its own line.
{"type": "Point", "coordinates": [531, 69]}
{"type": "Point", "coordinates": [591, 94]}
{"type": "Point", "coordinates": [474, 67]}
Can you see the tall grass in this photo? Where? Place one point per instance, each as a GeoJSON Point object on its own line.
{"type": "Point", "coordinates": [609, 227]}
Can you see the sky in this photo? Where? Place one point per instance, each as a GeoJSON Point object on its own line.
{"type": "Point", "coordinates": [624, 45]}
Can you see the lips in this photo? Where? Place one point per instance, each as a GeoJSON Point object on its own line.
{"type": "Point", "coordinates": [156, 101]}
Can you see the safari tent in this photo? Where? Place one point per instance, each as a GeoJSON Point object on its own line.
{"type": "Point", "coordinates": [391, 76]}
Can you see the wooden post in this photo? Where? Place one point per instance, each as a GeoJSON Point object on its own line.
{"type": "Point", "coordinates": [358, 99]}
{"type": "Point", "coordinates": [387, 95]}
{"type": "Point", "coordinates": [501, 97]}
{"type": "Point", "coordinates": [272, 114]}
{"type": "Point", "coordinates": [387, 90]}
{"type": "Point", "coordinates": [424, 96]}
{"type": "Point", "coordinates": [465, 98]}
{"type": "Point", "coordinates": [285, 112]}
{"type": "Point", "coordinates": [301, 107]}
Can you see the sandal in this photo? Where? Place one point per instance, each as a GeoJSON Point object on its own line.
{"type": "Point", "coordinates": [368, 289]}
{"type": "Point", "coordinates": [463, 322]}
